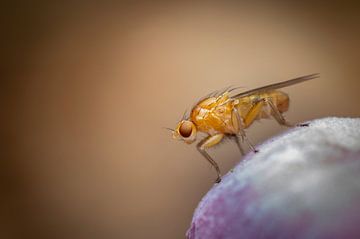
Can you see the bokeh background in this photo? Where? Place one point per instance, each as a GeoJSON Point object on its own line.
{"type": "Point", "coordinates": [87, 88]}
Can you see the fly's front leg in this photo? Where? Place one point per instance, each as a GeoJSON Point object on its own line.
{"type": "Point", "coordinates": [238, 126]}
{"type": "Point", "coordinates": [279, 117]}
{"type": "Point", "coordinates": [207, 143]}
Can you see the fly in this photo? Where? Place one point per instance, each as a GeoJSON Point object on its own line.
{"type": "Point", "coordinates": [225, 115]}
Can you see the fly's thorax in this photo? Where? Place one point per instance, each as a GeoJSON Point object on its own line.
{"type": "Point", "coordinates": [207, 103]}
{"type": "Point", "coordinates": [199, 115]}
{"type": "Point", "coordinates": [214, 116]}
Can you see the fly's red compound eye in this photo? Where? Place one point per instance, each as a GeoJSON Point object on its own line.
{"type": "Point", "coordinates": [185, 129]}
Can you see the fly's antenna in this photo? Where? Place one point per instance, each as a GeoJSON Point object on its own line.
{"type": "Point", "coordinates": [169, 129]}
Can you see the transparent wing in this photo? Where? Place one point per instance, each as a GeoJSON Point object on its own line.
{"type": "Point", "coordinates": [276, 85]}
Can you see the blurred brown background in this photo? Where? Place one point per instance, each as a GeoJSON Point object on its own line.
{"type": "Point", "coordinates": [87, 88]}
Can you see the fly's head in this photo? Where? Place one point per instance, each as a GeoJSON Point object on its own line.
{"type": "Point", "coordinates": [186, 131]}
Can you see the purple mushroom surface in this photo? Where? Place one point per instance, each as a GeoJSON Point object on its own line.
{"type": "Point", "coordinates": [303, 184]}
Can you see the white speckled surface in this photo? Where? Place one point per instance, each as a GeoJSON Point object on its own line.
{"type": "Point", "coordinates": [304, 183]}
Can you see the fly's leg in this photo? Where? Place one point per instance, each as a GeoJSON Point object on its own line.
{"type": "Point", "coordinates": [279, 117]}
{"type": "Point", "coordinates": [207, 143]}
{"type": "Point", "coordinates": [248, 142]}
{"type": "Point", "coordinates": [253, 113]}
{"type": "Point", "coordinates": [238, 126]}
{"type": "Point", "coordinates": [303, 125]}
{"type": "Point", "coordinates": [237, 141]}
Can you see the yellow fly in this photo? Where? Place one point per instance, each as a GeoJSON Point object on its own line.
{"type": "Point", "coordinates": [221, 115]}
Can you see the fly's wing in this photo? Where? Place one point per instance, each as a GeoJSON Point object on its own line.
{"type": "Point", "coordinates": [276, 86]}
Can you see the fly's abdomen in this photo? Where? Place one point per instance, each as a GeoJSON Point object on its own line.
{"type": "Point", "coordinates": [255, 107]}
{"type": "Point", "coordinates": [280, 100]}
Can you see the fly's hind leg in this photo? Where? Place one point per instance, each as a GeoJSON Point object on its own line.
{"type": "Point", "coordinates": [238, 126]}
{"type": "Point", "coordinates": [279, 117]}
{"type": "Point", "coordinates": [277, 114]}
{"type": "Point", "coordinates": [207, 143]}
